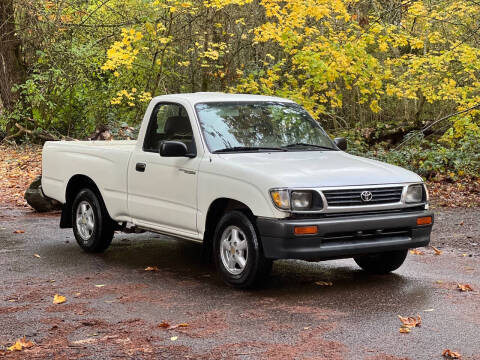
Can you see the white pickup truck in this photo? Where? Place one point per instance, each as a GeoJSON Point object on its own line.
{"type": "Point", "coordinates": [252, 178]}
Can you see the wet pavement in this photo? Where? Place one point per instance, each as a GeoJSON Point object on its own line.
{"type": "Point", "coordinates": [114, 307]}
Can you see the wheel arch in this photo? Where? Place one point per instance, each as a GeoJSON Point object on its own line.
{"type": "Point", "coordinates": [74, 185]}
{"type": "Point", "coordinates": [218, 207]}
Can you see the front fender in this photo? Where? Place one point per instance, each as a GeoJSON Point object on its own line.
{"type": "Point", "coordinates": [213, 186]}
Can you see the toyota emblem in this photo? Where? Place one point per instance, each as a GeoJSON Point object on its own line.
{"type": "Point", "coordinates": [366, 196]}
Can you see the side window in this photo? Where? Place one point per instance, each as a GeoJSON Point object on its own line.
{"type": "Point", "coordinates": [168, 122]}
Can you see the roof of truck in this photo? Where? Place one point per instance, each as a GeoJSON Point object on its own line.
{"type": "Point", "coordinates": [200, 97]}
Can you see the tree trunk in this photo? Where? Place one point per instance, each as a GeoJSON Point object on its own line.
{"type": "Point", "coordinates": [12, 71]}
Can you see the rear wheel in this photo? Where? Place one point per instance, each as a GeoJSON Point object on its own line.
{"type": "Point", "coordinates": [92, 226]}
{"type": "Point", "coordinates": [381, 263]}
{"type": "Point", "coordinates": [237, 251]}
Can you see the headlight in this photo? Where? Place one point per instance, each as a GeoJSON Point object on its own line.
{"type": "Point", "coordinates": [296, 200]}
{"type": "Point", "coordinates": [301, 200]}
{"type": "Point", "coordinates": [414, 194]}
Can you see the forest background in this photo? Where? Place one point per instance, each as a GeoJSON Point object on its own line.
{"type": "Point", "coordinates": [399, 79]}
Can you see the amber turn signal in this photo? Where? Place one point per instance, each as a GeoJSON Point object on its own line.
{"type": "Point", "coordinates": [305, 230]}
{"type": "Point", "coordinates": [427, 220]}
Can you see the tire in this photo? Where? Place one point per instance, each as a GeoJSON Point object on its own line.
{"type": "Point", "coordinates": [381, 263]}
{"type": "Point", "coordinates": [92, 226]}
{"type": "Point", "coordinates": [235, 238]}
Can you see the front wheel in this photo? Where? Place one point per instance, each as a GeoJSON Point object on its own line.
{"type": "Point", "coordinates": [237, 251]}
{"type": "Point", "coordinates": [381, 263]}
{"type": "Point", "coordinates": [92, 226]}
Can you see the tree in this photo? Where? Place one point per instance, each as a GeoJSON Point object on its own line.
{"type": "Point", "coordinates": [12, 71]}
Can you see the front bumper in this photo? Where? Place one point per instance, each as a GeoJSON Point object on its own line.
{"type": "Point", "coordinates": [343, 236]}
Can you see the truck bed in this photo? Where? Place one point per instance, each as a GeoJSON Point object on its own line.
{"type": "Point", "coordinates": [104, 162]}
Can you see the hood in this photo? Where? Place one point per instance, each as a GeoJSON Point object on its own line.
{"type": "Point", "coordinates": [318, 169]}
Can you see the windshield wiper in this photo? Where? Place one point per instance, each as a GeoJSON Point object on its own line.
{"type": "Point", "coordinates": [249, 148]}
{"type": "Point", "coordinates": [310, 145]}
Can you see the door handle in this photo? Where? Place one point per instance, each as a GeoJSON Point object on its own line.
{"type": "Point", "coordinates": [140, 167]}
{"type": "Point", "coordinates": [186, 171]}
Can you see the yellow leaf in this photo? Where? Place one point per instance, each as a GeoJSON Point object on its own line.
{"type": "Point", "coordinates": [15, 347]}
{"type": "Point", "coordinates": [100, 285]}
{"type": "Point", "coordinates": [173, 338]}
{"type": "Point", "coordinates": [404, 330]}
{"type": "Point", "coordinates": [59, 299]}
{"type": "Point", "coordinates": [21, 344]}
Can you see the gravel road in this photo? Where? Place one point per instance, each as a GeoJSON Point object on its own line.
{"type": "Point", "coordinates": [114, 307]}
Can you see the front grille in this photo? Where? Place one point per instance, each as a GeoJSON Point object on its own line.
{"type": "Point", "coordinates": [353, 197]}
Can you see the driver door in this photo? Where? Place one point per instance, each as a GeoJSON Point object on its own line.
{"type": "Point", "coordinates": [162, 191]}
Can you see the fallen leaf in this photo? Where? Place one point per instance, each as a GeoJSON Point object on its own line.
{"type": "Point", "coordinates": [323, 283]}
{"type": "Point", "coordinates": [164, 324]}
{"type": "Point", "coordinates": [410, 322]}
{"type": "Point", "coordinates": [84, 341]}
{"type": "Point", "coordinates": [21, 344]}
{"type": "Point", "coordinates": [416, 252]}
{"type": "Point", "coordinates": [439, 282]}
{"type": "Point", "coordinates": [428, 310]}
{"type": "Point", "coordinates": [178, 326]}
{"type": "Point", "coordinates": [59, 299]}
{"type": "Point", "coordinates": [37, 256]}
{"type": "Point", "coordinates": [464, 287]}
{"type": "Point", "coordinates": [27, 344]}
{"type": "Point", "coordinates": [437, 252]}
{"type": "Point", "coordinates": [19, 231]}
{"type": "Point", "coordinates": [15, 347]}
{"type": "Point", "coordinates": [404, 330]}
{"type": "Point", "coordinates": [152, 268]}
{"type": "Point", "coordinates": [100, 286]}
{"type": "Point", "coordinates": [173, 338]}
{"type": "Point", "coordinates": [451, 354]}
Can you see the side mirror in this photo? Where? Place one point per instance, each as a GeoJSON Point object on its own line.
{"type": "Point", "coordinates": [174, 149]}
{"type": "Point", "coordinates": [341, 143]}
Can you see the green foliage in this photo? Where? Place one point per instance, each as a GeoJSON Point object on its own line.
{"type": "Point", "coordinates": [431, 160]}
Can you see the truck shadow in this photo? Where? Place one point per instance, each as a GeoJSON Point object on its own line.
{"type": "Point", "coordinates": [181, 267]}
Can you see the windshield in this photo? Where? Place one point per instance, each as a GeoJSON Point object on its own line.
{"type": "Point", "coordinates": [260, 126]}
